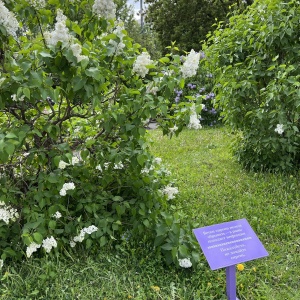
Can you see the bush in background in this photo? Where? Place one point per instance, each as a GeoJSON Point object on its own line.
{"type": "Point", "coordinates": [256, 62]}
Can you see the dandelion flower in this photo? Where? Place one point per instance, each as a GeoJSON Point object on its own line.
{"type": "Point", "coordinates": [155, 288]}
{"type": "Point", "coordinates": [240, 267]}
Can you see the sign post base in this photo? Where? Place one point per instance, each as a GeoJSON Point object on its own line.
{"type": "Point", "coordinates": [231, 283]}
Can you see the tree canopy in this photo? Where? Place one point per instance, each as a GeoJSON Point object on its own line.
{"type": "Point", "coordinates": [188, 22]}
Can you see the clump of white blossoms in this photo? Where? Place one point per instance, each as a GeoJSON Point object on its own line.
{"type": "Point", "coordinates": [173, 129]}
{"type": "Point", "coordinates": [185, 263]}
{"type": "Point", "coordinates": [98, 167]}
{"type": "Point", "coordinates": [14, 98]}
{"type": "Point", "coordinates": [49, 243]}
{"type": "Point", "coordinates": [7, 213]}
{"type": "Point", "coordinates": [79, 238]}
{"type": "Point", "coordinates": [75, 160]}
{"type": "Point", "coordinates": [32, 248]}
{"type": "Point", "coordinates": [279, 129]}
{"type": "Point", "coordinates": [57, 215]}
{"type": "Point", "coordinates": [37, 4]}
{"type": "Point", "coordinates": [61, 34]}
{"type": "Point", "coordinates": [147, 170]}
{"type": "Point", "coordinates": [118, 46]}
{"type": "Point", "coordinates": [190, 66]}
{"type": "Point", "coordinates": [170, 191]}
{"type": "Point", "coordinates": [1, 263]}
{"type": "Point", "coordinates": [157, 160]}
{"type": "Point", "coordinates": [151, 89]}
{"type": "Point", "coordinates": [118, 166]}
{"type": "Point", "coordinates": [141, 63]}
{"type": "Point", "coordinates": [66, 187]}
{"type": "Point", "coordinates": [8, 20]}
{"type": "Point", "coordinates": [76, 49]}
{"type": "Point", "coordinates": [104, 9]}
{"type": "Point", "coordinates": [194, 120]}
{"type": "Point", "coordinates": [62, 165]}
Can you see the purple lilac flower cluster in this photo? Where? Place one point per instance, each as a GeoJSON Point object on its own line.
{"type": "Point", "coordinates": [210, 96]}
{"type": "Point", "coordinates": [178, 95]}
{"type": "Point", "coordinates": [191, 86]}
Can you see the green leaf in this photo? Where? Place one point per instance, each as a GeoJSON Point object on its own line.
{"type": "Point", "coordinates": [9, 149]}
{"type": "Point", "coordinates": [167, 246]}
{"type": "Point", "coordinates": [162, 229]}
{"type": "Point", "coordinates": [52, 224]}
{"type": "Point", "coordinates": [38, 237]}
{"type": "Point", "coordinates": [76, 28]}
{"type": "Point", "coordinates": [78, 83]}
{"type": "Point", "coordinates": [25, 66]}
{"type": "Point", "coordinates": [103, 241]}
{"type": "Point", "coordinates": [11, 136]}
{"type": "Point", "coordinates": [26, 92]}
{"type": "Point", "coordinates": [141, 158]}
{"type": "Point", "coordinates": [164, 60]}
{"type": "Point", "coordinates": [45, 54]}
{"type": "Point", "coordinates": [146, 223]}
{"type": "Point", "coordinates": [53, 178]}
{"type": "Point", "coordinates": [159, 240]}
{"type": "Point", "coordinates": [94, 72]}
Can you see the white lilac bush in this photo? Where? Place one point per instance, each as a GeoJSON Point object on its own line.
{"type": "Point", "coordinates": [74, 162]}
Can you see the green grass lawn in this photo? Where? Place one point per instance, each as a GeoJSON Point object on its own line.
{"type": "Point", "coordinates": [213, 189]}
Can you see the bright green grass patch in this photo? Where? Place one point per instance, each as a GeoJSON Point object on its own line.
{"type": "Point", "coordinates": [213, 189]}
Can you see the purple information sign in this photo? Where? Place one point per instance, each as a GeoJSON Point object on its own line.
{"type": "Point", "coordinates": [229, 243]}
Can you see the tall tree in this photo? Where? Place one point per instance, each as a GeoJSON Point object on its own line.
{"type": "Point", "coordinates": [188, 22]}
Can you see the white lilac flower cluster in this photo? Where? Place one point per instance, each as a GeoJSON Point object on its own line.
{"type": "Point", "coordinates": [14, 98]}
{"type": "Point", "coordinates": [185, 263]}
{"type": "Point", "coordinates": [76, 49]}
{"type": "Point", "coordinates": [140, 64]}
{"type": "Point", "coordinates": [7, 213]}
{"type": "Point", "coordinates": [170, 192]}
{"type": "Point", "coordinates": [32, 248]}
{"type": "Point", "coordinates": [173, 129]}
{"type": "Point", "coordinates": [37, 4]}
{"type": "Point", "coordinates": [194, 120]}
{"type": "Point", "coordinates": [279, 129]}
{"type": "Point", "coordinates": [47, 244]}
{"type": "Point", "coordinates": [66, 187]}
{"type": "Point", "coordinates": [104, 9]}
{"type": "Point", "coordinates": [118, 166]}
{"type": "Point", "coordinates": [62, 164]}
{"type": "Point", "coordinates": [118, 46]}
{"type": "Point", "coordinates": [57, 215]}
{"type": "Point", "coordinates": [146, 170]}
{"type": "Point", "coordinates": [151, 89]}
{"type": "Point", "coordinates": [75, 160]}
{"type": "Point", "coordinates": [98, 167]}
{"type": "Point", "coordinates": [8, 20]}
{"type": "Point", "coordinates": [79, 238]}
{"type": "Point", "coordinates": [157, 160]}
{"type": "Point", "coordinates": [61, 34]}
{"type": "Point", "coordinates": [190, 66]}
